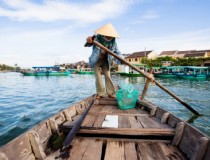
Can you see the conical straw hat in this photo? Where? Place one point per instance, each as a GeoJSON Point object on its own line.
{"type": "Point", "coordinates": [107, 30]}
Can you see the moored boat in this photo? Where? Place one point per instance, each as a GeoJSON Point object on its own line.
{"type": "Point", "coordinates": [169, 71]}
{"type": "Point", "coordinates": [46, 71]}
{"type": "Point", "coordinates": [85, 71]}
{"type": "Point", "coordinates": [72, 71]}
{"type": "Point", "coordinates": [193, 72]}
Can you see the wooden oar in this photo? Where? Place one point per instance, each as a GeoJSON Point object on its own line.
{"type": "Point", "coordinates": [76, 127]}
{"type": "Point", "coordinates": [147, 76]}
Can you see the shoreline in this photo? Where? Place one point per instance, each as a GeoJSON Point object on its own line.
{"type": "Point", "coordinates": [6, 71]}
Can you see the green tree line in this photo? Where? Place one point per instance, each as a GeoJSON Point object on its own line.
{"type": "Point", "coordinates": [4, 67]}
{"type": "Point", "coordinates": [175, 62]}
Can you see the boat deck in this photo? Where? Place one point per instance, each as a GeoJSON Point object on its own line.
{"type": "Point", "coordinates": [111, 134]}
{"type": "Point", "coordinates": [116, 149]}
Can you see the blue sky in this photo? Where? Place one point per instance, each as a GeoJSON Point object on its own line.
{"type": "Point", "coordinates": [45, 32]}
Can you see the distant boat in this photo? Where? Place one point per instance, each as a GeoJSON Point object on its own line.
{"type": "Point", "coordinates": [193, 72]}
{"type": "Point", "coordinates": [46, 71]}
{"type": "Point", "coordinates": [85, 71]}
{"type": "Point", "coordinates": [72, 71]}
{"type": "Point", "coordinates": [169, 71]}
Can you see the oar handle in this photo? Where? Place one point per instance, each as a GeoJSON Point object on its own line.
{"type": "Point", "coordinates": [147, 76]}
{"type": "Point", "coordinates": [87, 44]}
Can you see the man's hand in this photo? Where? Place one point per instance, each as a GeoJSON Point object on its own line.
{"type": "Point", "coordinates": [89, 40]}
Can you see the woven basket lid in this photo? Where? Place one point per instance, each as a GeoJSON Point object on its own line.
{"type": "Point", "coordinates": [107, 30]}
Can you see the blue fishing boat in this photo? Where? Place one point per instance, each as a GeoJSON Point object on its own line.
{"type": "Point", "coordinates": [46, 71]}
{"type": "Point", "coordinates": [193, 72]}
{"type": "Point", "coordinates": [85, 71]}
{"type": "Point", "coordinates": [169, 71]}
{"type": "Point", "coordinates": [72, 71]}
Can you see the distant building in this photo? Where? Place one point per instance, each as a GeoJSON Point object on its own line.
{"type": "Point", "coordinates": [168, 53]}
{"type": "Point", "coordinates": [186, 54]}
{"type": "Point", "coordinates": [136, 57]}
{"type": "Point", "coordinates": [207, 54]}
{"type": "Point", "coordinates": [196, 54]}
{"type": "Point", "coordinates": [126, 55]}
{"type": "Point", "coordinates": [181, 54]}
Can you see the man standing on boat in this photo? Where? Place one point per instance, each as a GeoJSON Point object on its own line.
{"type": "Point", "coordinates": [99, 59]}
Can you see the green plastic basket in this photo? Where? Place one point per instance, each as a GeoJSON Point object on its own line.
{"type": "Point", "coordinates": [127, 96]}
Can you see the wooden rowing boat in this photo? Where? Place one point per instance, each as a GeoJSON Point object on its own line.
{"type": "Point", "coordinates": [145, 132]}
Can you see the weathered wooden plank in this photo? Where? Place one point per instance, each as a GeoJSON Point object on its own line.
{"type": "Point", "coordinates": [44, 132]}
{"type": "Point", "coordinates": [54, 155]}
{"type": "Point", "coordinates": [108, 99]}
{"type": "Point", "coordinates": [98, 121]}
{"type": "Point", "coordinates": [159, 112]}
{"type": "Point", "coordinates": [189, 140]}
{"type": "Point", "coordinates": [123, 122]}
{"type": "Point", "coordinates": [70, 112]}
{"type": "Point", "coordinates": [200, 149]}
{"type": "Point", "coordinates": [131, 111]}
{"type": "Point", "coordinates": [79, 146]}
{"type": "Point", "coordinates": [150, 151]}
{"type": "Point", "coordinates": [104, 102]}
{"type": "Point", "coordinates": [147, 122]}
{"type": "Point", "coordinates": [159, 122]}
{"type": "Point", "coordinates": [130, 151]}
{"type": "Point", "coordinates": [108, 109]}
{"type": "Point", "coordinates": [114, 151]}
{"type": "Point", "coordinates": [19, 148]}
{"type": "Point", "coordinates": [171, 152]}
{"type": "Point", "coordinates": [173, 121]}
{"type": "Point", "coordinates": [129, 131]}
{"type": "Point", "coordinates": [178, 134]}
{"type": "Point", "coordinates": [164, 118]}
{"type": "Point", "coordinates": [119, 114]}
{"type": "Point", "coordinates": [94, 150]}
{"type": "Point", "coordinates": [146, 104]}
{"type": "Point", "coordinates": [135, 111]}
{"type": "Point", "coordinates": [95, 109]}
{"type": "Point", "coordinates": [89, 121]}
{"type": "Point", "coordinates": [80, 107]}
{"type": "Point", "coordinates": [55, 121]}
{"type": "Point", "coordinates": [134, 123]}
{"type": "Point", "coordinates": [116, 110]}
{"type": "Point", "coordinates": [207, 152]}
{"type": "Point", "coordinates": [70, 124]}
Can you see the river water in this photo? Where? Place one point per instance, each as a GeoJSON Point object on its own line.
{"type": "Point", "coordinates": [25, 101]}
